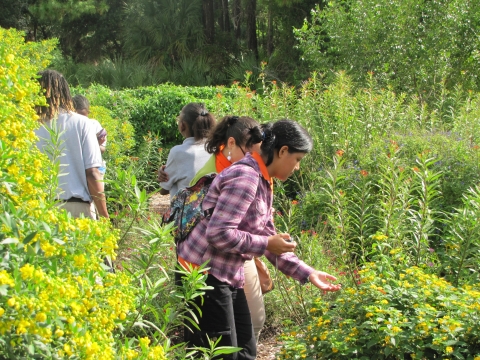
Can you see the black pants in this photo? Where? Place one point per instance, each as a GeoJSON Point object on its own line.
{"type": "Point", "coordinates": [225, 313]}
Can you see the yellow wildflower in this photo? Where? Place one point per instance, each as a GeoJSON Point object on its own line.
{"type": "Point", "coordinates": [41, 317]}
{"type": "Point", "coordinates": [145, 341]}
{"type": "Point", "coordinates": [27, 271]}
{"type": "Point", "coordinates": [6, 279]}
{"type": "Point", "coordinates": [131, 354]}
{"type": "Point", "coordinates": [68, 349]}
{"type": "Point", "coordinates": [396, 329]}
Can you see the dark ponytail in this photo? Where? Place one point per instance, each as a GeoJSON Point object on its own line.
{"type": "Point", "coordinates": [284, 132]}
{"type": "Point", "coordinates": [245, 130]}
{"type": "Point", "coordinates": [198, 120]}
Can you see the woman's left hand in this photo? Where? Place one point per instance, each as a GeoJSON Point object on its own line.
{"type": "Point", "coordinates": [322, 281]}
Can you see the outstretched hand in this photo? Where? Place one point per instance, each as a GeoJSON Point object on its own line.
{"type": "Point", "coordinates": [322, 281]}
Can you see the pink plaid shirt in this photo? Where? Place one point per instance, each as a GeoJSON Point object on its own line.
{"type": "Point", "coordinates": [239, 227]}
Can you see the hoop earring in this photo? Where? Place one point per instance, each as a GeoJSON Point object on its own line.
{"type": "Point", "coordinates": [229, 158]}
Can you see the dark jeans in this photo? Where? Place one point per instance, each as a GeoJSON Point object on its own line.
{"type": "Point", "coordinates": [225, 313]}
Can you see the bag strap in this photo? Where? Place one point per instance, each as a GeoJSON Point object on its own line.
{"type": "Point", "coordinates": [209, 212]}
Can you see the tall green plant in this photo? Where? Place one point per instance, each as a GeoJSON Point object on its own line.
{"type": "Point", "coordinates": [394, 186]}
{"type": "Point", "coordinates": [462, 244]}
{"type": "Point", "coordinates": [164, 30]}
{"type": "Point", "coordinates": [422, 213]}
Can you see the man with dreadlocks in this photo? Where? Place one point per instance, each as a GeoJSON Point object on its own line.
{"type": "Point", "coordinates": [80, 180]}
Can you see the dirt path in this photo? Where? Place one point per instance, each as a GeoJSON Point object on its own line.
{"type": "Point", "coordinates": [266, 349]}
{"type": "Point", "coordinates": [159, 203]}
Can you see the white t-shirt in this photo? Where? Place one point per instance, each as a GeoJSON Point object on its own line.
{"type": "Point", "coordinates": [183, 162]}
{"type": "Point", "coordinates": [79, 149]}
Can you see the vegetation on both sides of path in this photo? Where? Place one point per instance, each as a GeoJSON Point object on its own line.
{"type": "Point", "coordinates": [388, 200]}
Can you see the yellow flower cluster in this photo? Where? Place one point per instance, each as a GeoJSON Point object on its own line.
{"type": "Point", "coordinates": [120, 136]}
{"type": "Point", "coordinates": [60, 295]}
{"type": "Point", "coordinates": [385, 314]}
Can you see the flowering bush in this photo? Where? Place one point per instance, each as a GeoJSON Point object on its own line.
{"type": "Point", "coordinates": [120, 136]}
{"type": "Point", "coordinates": [57, 299]}
{"type": "Point", "coordinates": [394, 313]}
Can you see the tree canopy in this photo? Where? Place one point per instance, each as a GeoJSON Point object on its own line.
{"type": "Point", "coordinates": [411, 45]}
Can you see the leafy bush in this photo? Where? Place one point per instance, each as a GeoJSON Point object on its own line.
{"type": "Point", "coordinates": [414, 46]}
{"type": "Point", "coordinates": [154, 109]}
{"type": "Point", "coordinates": [395, 312]}
{"type": "Point", "coordinates": [120, 138]}
{"type": "Point", "coordinates": [462, 242]}
{"type": "Point", "coordinates": [58, 299]}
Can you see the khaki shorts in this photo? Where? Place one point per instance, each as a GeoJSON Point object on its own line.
{"type": "Point", "coordinates": [77, 209]}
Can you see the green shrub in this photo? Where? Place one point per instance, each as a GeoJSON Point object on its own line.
{"type": "Point", "coordinates": [120, 138]}
{"type": "Point", "coordinates": [413, 46]}
{"type": "Point", "coordinates": [462, 242]}
{"type": "Point", "coordinates": [154, 109]}
{"type": "Point", "coordinates": [57, 299]}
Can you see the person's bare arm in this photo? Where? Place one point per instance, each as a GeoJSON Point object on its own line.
{"type": "Point", "coordinates": [101, 142]}
{"type": "Point", "coordinates": [96, 188]}
{"type": "Point", "coordinates": [163, 177]}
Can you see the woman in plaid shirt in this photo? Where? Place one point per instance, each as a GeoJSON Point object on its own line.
{"type": "Point", "coordinates": [241, 227]}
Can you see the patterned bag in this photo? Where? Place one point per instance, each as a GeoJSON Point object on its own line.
{"type": "Point", "coordinates": [185, 209]}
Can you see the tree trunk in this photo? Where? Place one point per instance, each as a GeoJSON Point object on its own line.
{"type": "Point", "coordinates": [250, 13]}
{"type": "Point", "coordinates": [269, 29]}
{"type": "Point", "coordinates": [237, 16]}
{"type": "Point", "coordinates": [223, 17]}
{"type": "Point", "coordinates": [208, 20]}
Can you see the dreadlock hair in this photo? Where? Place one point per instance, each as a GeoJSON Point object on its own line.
{"type": "Point", "coordinates": [285, 132]}
{"type": "Point", "coordinates": [198, 120]}
{"type": "Point", "coordinates": [245, 130]}
{"type": "Point", "coordinates": [57, 94]}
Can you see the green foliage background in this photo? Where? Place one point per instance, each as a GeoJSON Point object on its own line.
{"type": "Point", "coordinates": [389, 92]}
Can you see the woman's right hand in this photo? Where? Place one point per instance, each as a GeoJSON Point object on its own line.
{"type": "Point", "coordinates": [162, 175]}
{"type": "Point", "coordinates": [279, 244]}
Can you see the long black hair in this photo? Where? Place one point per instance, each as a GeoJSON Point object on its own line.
{"type": "Point", "coordinates": [284, 132]}
{"type": "Point", "coordinates": [198, 120]}
{"type": "Point", "coordinates": [245, 130]}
